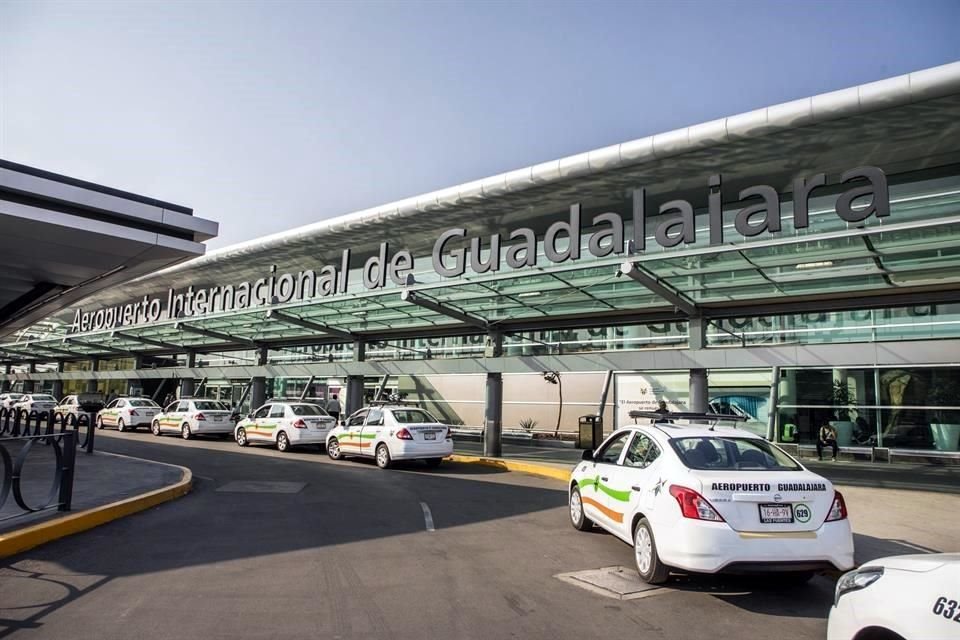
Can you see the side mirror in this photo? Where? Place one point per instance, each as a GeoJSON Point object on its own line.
{"type": "Point", "coordinates": [249, 416]}
{"type": "Point", "coordinates": [587, 455]}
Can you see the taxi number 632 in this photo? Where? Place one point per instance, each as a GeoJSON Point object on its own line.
{"type": "Point", "coordinates": [947, 608]}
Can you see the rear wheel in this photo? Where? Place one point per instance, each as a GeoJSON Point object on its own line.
{"type": "Point", "coordinates": [242, 437]}
{"type": "Point", "coordinates": [120, 426]}
{"type": "Point", "coordinates": [333, 449]}
{"type": "Point", "coordinates": [185, 431]}
{"type": "Point", "coordinates": [433, 463]}
{"type": "Point", "coordinates": [578, 518]}
{"type": "Point", "coordinates": [283, 442]}
{"type": "Point", "coordinates": [383, 456]}
{"type": "Point", "coordinates": [649, 567]}
{"type": "Point", "coordinates": [99, 422]}
{"type": "Point", "coordinates": [155, 428]}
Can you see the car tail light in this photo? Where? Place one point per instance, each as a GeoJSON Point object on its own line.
{"type": "Point", "coordinates": [403, 434]}
{"type": "Point", "coordinates": [133, 413]}
{"type": "Point", "coordinates": [838, 510]}
{"type": "Point", "coordinates": [200, 416]}
{"type": "Point", "coordinates": [693, 505]}
{"type": "Point", "coordinates": [300, 424]}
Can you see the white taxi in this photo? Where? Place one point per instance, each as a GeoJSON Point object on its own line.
{"type": "Point", "coordinates": [38, 402]}
{"type": "Point", "coordinates": [7, 400]}
{"type": "Point", "coordinates": [286, 425]}
{"type": "Point", "coordinates": [915, 596]}
{"type": "Point", "coordinates": [127, 413]}
{"type": "Point", "coordinates": [190, 417]}
{"type": "Point", "coordinates": [389, 433]}
{"type": "Point", "coordinates": [710, 499]}
{"type": "Point", "coordinates": [77, 404]}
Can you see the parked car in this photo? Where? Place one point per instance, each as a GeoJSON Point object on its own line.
{"type": "Point", "coordinates": [38, 402]}
{"type": "Point", "coordinates": [194, 416]}
{"type": "Point", "coordinates": [915, 596]}
{"type": "Point", "coordinates": [285, 424]}
{"type": "Point", "coordinates": [392, 432]}
{"type": "Point", "coordinates": [79, 403]}
{"type": "Point", "coordinates": [127, 413]}
{"type": "Point", "coordinates": [710, 499]}
{"type": "Point", "coordinates": [7, 400]}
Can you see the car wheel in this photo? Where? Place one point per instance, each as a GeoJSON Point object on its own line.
{"type": "Point", "coordinates": [649, 567]}
{"type": "Point", "coordinates": [333, 449]}
{"type": "Point", "coordinates": [242, 437]}
{"type": "Point", "coordinates": [433, 463]}
{"type": "Point", "coordinates": [120, 426]}
{"type": "Point", "coordinates": [578, 518]}
{"type": "Point", "coordinates": [185, 431]}
{"type": "Point", "coordinates": [283, 442]}
{"type": "Point", "coordinates": [99, 422]}
{"type": "Point", "coordinates": [155, 428]}
{"type": "Point", "coordinates": [383, 456]}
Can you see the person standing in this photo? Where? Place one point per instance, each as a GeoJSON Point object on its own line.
{"type": "Point", "coordinates": [333, 407]}
{"type": "Point", "coordinates": [827, 438]}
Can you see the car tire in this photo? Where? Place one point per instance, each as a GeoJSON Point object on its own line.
{"type": "Point", "coordinates": [649, 566]}
{"type": "Point", "coordinates": [333, 449]}
{"type": "Point", "coordinates": [242, 437]}
{"type": "Point", "coordinates": [155, 428]}
{"type": "Point", "coordinates": [433, 463]}
{"type": "Point", "coordinates": [383, 456]}
{"type": "Point", "coordinates": [578, 518]}
{"type": "Point", "coordinates": [99, 422]}
{"type": "Point", "coordinates": [120, 426]}
{"type": "Point", "coordinates": [283, 442]}
{"type": "Point", "coordinates": [185, 432]}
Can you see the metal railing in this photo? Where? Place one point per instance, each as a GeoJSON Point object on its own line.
{"type": "Point", "coordinates": [18, 422]}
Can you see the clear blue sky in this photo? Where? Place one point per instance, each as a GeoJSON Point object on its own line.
{"type": "Point", "coordinates": [267, 116]}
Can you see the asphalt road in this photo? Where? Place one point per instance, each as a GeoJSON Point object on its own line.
{"type": "Point", "coordinates": [347, 552]}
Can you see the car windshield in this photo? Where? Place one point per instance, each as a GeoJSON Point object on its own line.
{"type": "Point", "coordinates": [412, 416]}
{"type": "Point", "coordinates": [44, 398]}
{"type": "Point", "coordinates": [143, 403]}
{"type": "Point", "coordinates": [307, 410]}
{"type": "Point", "coordinates": [717, 453]}
{"type": "Point", "coordinates": [210, 405]}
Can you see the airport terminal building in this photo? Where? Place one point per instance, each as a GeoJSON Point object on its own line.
{"type": "Point", "coordinates": [798, 265]}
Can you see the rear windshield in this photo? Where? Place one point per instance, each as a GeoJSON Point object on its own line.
{"type": "Point", "coordinates": [741, 454]}
{"type": "Point", "coordinates": [411, 416]}
{"type": "Point", "coordinates": [44, 398]}
{"type": "Point", "coordinates": [307, 410]}
{"type": "Point", "coordinates": [143, 403]}
{"type": "Point", "coordinates": [210, 405]}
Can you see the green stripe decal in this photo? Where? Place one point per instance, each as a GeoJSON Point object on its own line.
{"type": "Point", "coordinates": [621, 496]}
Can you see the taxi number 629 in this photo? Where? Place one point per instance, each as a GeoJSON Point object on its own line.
{"type": "Point", "coordinates": [946, 608]}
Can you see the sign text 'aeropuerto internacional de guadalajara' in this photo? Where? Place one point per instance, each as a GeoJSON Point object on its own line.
{"type": "Point", "coordinates": [453, 251]}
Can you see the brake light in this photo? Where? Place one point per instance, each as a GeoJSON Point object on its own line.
{"type": "Point", "coordinates": [838, 510]}
{"type": "Point", "coordinates": [403, 434]}
{"type": "Point", "coordinates": [693, 505]}
{"type": "Point", "coordinates": [200, 416]}
{"type": "Point", "coordinates": [300, 424]}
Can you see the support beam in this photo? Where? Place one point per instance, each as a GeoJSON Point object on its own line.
{"type": "Point", "coordinates": [59, 352]}
{"type": "Point", "coordinates": [697, 332]}
{"type": "Point", "coordinates": [258, 392]}
{"type": "Point", "coordinates": [99, 348]}
{"type": "Point", "coordinates": [216, 335]}
{"type": "Point", "coordinates": [148, 341]}
{"type": "Point", "coordinates": [493, 416]}
{"type": "Point", "coordinates": [92, 384]}
{"type": "Point", "coordinates": [58, 383]}
{"type": "Point", "coordinates": [309, 325]}
{"type": "Point", "coordinates": [636, 273]}
{"type": "Point", "coordinates": [445, 310]}
{"type": "Point", "coordinates": [29, 385]}
{"type": "Point", "coordinates": [699, 391]}
{"type": "Point", "coordinates": [21, 354]}
{"type": "Point", "coordinates": [306, 388]}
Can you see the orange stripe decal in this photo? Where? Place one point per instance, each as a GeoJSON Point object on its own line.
{"type": "Point", "coordinates": [610, 513]}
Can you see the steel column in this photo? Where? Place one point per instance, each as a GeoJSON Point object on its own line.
{"type": "Point", "coordinates": [258, 392]}
{"type": "Point", "coordinates": [493, 416]}
{"type": "Point", "coordinates": [699, 391]}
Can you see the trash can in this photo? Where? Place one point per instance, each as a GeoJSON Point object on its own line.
{"type": "Point", "coordinates": [590, 433]}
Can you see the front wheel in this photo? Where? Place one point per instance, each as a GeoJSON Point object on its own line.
{"type": "Point", "coordinates": [578, 518]}
{"type": "Point", "coordinates": [283, 442]}
{"type": "Point", "coordinates": [120, 426]}
{"type": "Point", "coordinates": [185, 432]}
{"type": "Point", "coordinates": [649, 566]}
{"type": "Point", "coordinates": [242, 437]}
{"type": "Point", "coordinates": [383, 457]}
{"type": "Point", "coordinates": [333, 449]}
{"type": "Point", "coordinates": [155, 428]}
{"type": "Point", "coordinates": [99, 422]}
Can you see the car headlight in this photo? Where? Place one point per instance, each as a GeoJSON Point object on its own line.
{"type": "Point", "coordinates": [857, 579]}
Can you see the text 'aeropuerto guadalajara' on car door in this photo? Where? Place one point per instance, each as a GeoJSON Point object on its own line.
{"type": "Point", "coordinates": [190, 417]}
{"type": "Point", "coordinates": [286, 425]}
{"type": "Point", "coordinates": [392, 432]}
{"type": "Point", "coordinates": [127, 413]}
{"type": "Point", "coordinates": [710, 499]}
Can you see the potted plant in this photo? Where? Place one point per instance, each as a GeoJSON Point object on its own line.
{"type": "Point", "coordinates": [841, 400]}
{"type": "Point", "coordinates": [945, 425]}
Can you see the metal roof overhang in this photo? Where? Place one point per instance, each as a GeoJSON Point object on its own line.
{"type": "Point", "coordinates": [905, 124]}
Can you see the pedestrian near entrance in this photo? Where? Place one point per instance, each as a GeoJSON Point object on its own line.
{"type": "Point", "coordinates": [333, 407]}
{"type": "Point", "coordinates": [827, 438]}
{"type": "Point", "coordinates": [662, 407]}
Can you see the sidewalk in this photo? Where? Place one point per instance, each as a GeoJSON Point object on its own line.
{"type": "Point", "coordinates": [106, 486]}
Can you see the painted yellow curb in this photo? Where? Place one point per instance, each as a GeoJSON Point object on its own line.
{"type": "Point", "coordinates": [16, 541]}
{"type": "Point", "coordinates": [513, 465]}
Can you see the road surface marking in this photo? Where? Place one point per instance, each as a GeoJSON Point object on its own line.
{"type": "Point", "coordinates": [427, 516]}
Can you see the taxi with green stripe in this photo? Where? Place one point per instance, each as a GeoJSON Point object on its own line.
{"type": "Point", "coordinates": [285, 424]}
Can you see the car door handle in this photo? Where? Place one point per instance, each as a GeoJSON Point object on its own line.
{"type": "Point", "coordinates": [636, 488]}
{"type": "Point", "coordinates": [605, 479]}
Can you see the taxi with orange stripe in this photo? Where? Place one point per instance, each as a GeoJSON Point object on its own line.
{"type": "Point", "coordinates": [285, 424]}
{"type": "Point", "coordinates": [390, 432]}
{"type": "Point", "coordinates": [700, 497]}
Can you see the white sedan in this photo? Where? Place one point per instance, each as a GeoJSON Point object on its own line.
{"type": "Point", "coordinates": [286, 425]}
{"type": "Point", "coordinates": [190, 417]}
{"type": "Point", "coordinates": [710, 500]}
{"type": "Point", "coordinates": [38, 402]}
{"type": "Point", "coordinates": [916, 596]}
{"type": "Point", "coordinates": [127, 413]}
{"type": "Point", "coordinates": [389, 433]}
{"type": "Point", "coordinates": [7, 400]}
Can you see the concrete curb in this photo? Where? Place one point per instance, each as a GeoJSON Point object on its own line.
{"type": "Point", "coordinates": [510, 465]}
{"type": "Point", "coordinates": [14, 542]}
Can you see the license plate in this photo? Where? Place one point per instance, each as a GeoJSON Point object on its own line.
{"type": "Point", "coordinates": [776, 513]}
{"type": "Point", "coordinates": [430, 436]}
{"type": "Point", "coordinates": [218, 418]}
